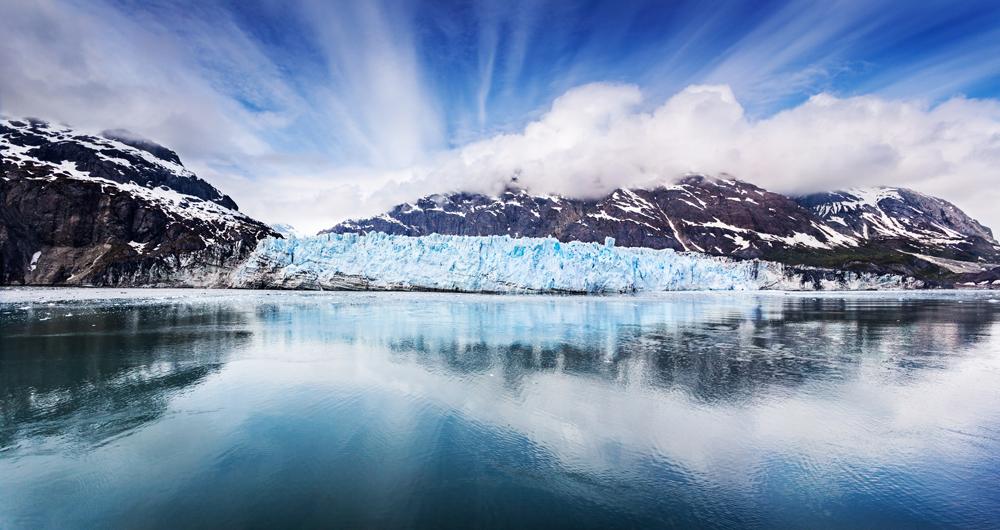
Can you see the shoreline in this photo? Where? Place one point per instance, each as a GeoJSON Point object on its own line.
{"type": "Point", "coordinates": [50, 294]}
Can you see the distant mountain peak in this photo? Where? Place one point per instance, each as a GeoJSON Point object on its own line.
{"type": "Point", "coordinates": [884, 212]}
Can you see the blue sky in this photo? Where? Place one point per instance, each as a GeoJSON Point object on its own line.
{"type": "Point", "coordinates": [327, 97]}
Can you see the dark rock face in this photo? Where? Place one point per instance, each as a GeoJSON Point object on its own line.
{"type": "Point", "coordinates": [81, 210]}
{"type": "Point", "coordinates": [984, 280]}
{"type": "Point", "coordinates": [722, 217]}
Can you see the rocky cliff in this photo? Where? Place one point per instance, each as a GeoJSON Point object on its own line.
{"type": "Point", "coordinates": [79, 209]}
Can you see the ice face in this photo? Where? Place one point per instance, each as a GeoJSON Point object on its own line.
{"type": "Point", "coordinates": [507, 265]}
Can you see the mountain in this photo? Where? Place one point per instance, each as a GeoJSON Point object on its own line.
{"type": "Point", "coordinates": [879, 230]}
{"type": "Point", "coordinates": [117, 209]}
{"type": "Point", "coordinates": [897, 214]}
{"type": "Point", "coordinates": [114, 209]}
{"type": "Point", "coordinates": [714, 216]}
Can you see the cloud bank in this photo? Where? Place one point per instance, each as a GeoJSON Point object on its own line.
{"type": "Point", "coordinates": [595, 139]}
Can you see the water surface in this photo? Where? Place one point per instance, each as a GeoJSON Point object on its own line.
{"type": "Point", "coordinates": [246, 409]}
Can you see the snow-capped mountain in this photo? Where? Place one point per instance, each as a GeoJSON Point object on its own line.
{"type": "Point", "coordinates": [698, 213]}
{"type": "Point", "coordinates": [112, 209]}
{"type": "Point", "coordinates": [899, 214]}
{"type": "Point", "coordinates": [881, 230]}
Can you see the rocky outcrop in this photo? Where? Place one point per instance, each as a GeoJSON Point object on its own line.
{"type": "Point", "coordinates": [77, 209]}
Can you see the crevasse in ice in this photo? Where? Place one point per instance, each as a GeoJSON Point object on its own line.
{"type": "Point", "coordinates": [505, 264]}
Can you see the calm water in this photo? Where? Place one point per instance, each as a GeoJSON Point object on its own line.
{"type": "Point", "coordinates": [403, 410]}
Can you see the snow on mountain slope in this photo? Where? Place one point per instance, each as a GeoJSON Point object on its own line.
{"type": "Point", "coordinates": [114, 209]}
{"type": "Point", "coordinates": [884, 213]}
{"type": "Point", "coordinates": [503, 264]}
{"type": "Point", "coordinates": [82, 209]}
{"type": "Point", "coordinates": [36, 146]}
{"type": "Point", "coordinates": [698, 213]}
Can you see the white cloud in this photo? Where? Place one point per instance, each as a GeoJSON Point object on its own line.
{"type": "Point", "coordinates": [194, 80]}
{"type": "Point", "coordinates": [597, 137]}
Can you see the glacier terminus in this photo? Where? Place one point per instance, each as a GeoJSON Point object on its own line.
{"type": "Point", "coordinates": [501, 264]}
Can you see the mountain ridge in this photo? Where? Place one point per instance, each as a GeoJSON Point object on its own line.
{"type": "Point", "coordinates": [874, 229]}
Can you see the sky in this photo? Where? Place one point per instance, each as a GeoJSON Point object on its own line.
{"type": "Point", "coordinates": [310, 112]}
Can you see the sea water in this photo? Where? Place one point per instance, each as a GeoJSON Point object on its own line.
{"type": "Point", "coordinates": [183, 408]}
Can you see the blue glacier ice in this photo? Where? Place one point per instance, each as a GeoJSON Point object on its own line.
{"type": "Point", "coordinates": [501, 264]}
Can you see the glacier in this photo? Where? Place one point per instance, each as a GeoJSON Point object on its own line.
{"type": "Point", "coordinates": [501, 264]}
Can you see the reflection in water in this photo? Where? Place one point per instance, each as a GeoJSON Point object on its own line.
{"type": "Point", "coordinates": [95, 373]}
{"type": "Point", "coordinates": [356, 409]}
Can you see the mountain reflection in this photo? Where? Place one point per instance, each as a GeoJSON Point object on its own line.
{"type": "Point", "coordinates": [94, 373]}
{"type": "Point", "coordinates": [711, 347]}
